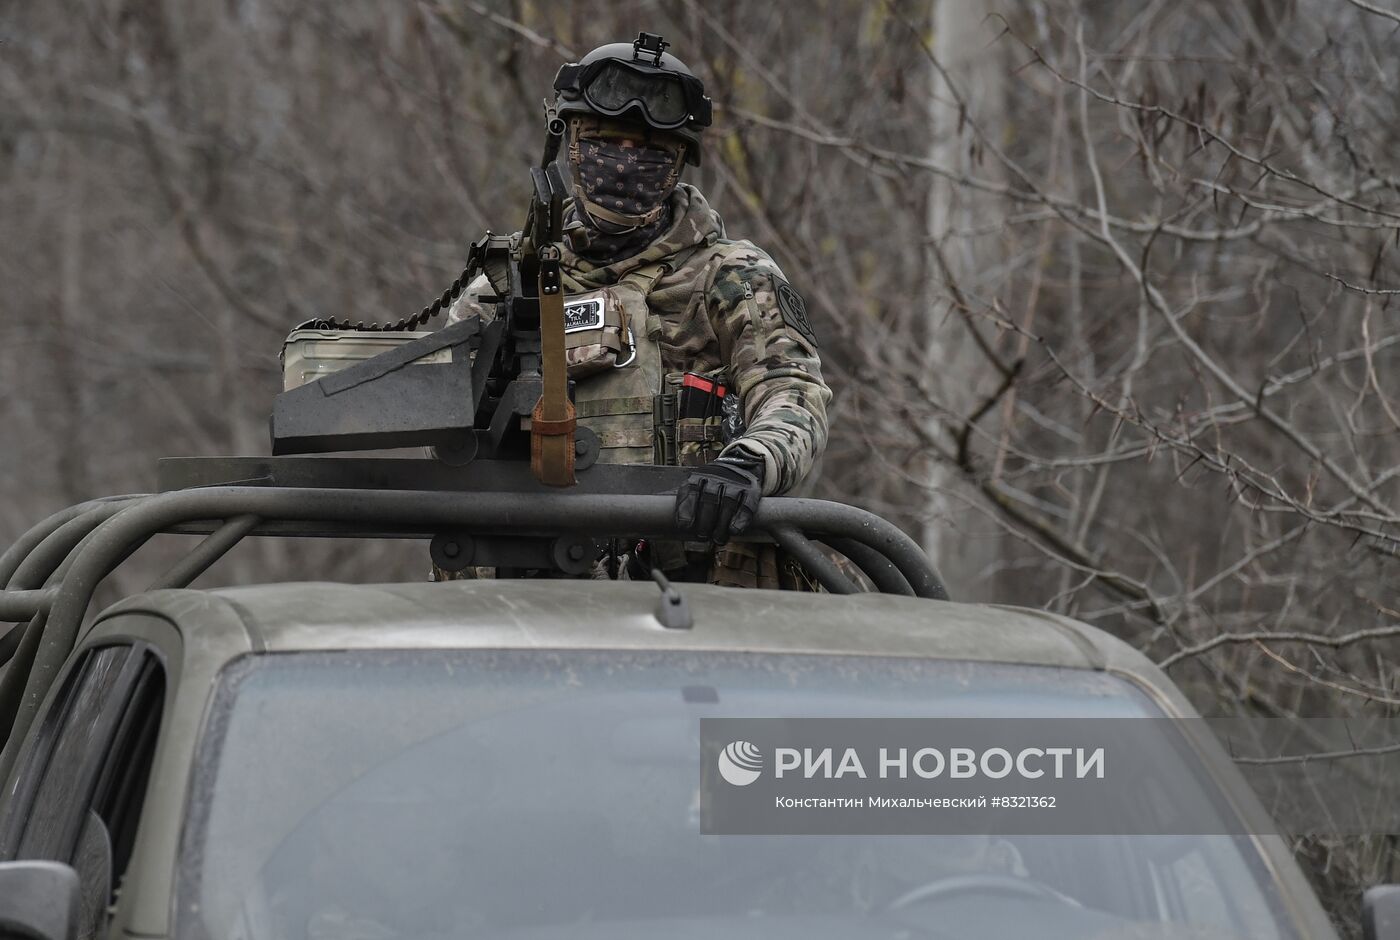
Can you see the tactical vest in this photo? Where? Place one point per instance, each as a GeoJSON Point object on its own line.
{"type": "Point", "coordinates": [635, 409]}
{"type": "Point", "coordinates": [628, 401]}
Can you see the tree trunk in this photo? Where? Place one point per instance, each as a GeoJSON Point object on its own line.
{"type": "Point", "coordinates": [962, 542]}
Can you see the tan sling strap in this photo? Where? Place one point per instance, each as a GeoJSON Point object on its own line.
{"type": "Point", "coordinates": [552, 422]}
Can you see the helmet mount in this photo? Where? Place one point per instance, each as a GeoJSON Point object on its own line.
{"type": "Point", "coordinates": [650, 43]}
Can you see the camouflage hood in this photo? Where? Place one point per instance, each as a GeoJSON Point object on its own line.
{"type": "Point", "coordinates": [693, 223]}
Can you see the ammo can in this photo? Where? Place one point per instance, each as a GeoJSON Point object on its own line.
{"type": "Point", "coordinates": [307, 355]}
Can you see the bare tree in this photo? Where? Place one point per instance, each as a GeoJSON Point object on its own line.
{"type": "Point", "coordinates": [1108, 300]}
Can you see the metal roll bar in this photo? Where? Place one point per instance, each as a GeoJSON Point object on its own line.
{"type": "Point", "coordinates": [821, 567]}
{"type": "Point", "coordinates": [51, 573]}
{"type": "Point", "coordinates": [886, 577]}
{"type": "Point", "coordinates": [24, 546]}
{"type": "Point", "coordinates": [22, 605]}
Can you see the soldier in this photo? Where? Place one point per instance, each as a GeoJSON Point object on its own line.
{"type": "Point", "coordinates": [686, 347]}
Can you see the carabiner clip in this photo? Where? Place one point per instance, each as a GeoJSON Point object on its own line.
{"type": "Point", "coordinates": [632, 343]}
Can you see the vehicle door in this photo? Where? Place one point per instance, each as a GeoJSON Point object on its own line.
{"type": "Point", "coordinates": [82, 775]}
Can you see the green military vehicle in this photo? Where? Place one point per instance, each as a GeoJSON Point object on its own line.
{"type": "Point", "coordinates": [517, 757]}
{"type": "Point", "coordinates": [521, 756]}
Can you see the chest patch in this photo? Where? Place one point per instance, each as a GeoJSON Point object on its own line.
{"type": "Point", "coordinates": [583, 315]}
{"type": "Point", "coordinates": [794, 310]}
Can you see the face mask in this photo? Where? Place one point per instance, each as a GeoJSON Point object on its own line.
{"type": "Point", "coordinates": [622, 195]}
{"type": "Point", "coordinates": [629, 184]}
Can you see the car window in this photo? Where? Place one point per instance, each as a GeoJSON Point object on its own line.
{"type": "Point", "coordinates": [543, 795]}
{"type": "Point", "coordinates": [87, 773]}
{"type": "Point", "coordinates": [61, 778]}
{"type": "Point", "coordinates": [121, 788]}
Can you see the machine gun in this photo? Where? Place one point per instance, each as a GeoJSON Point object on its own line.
{"type": "Point", "coordinates": [494, 390]}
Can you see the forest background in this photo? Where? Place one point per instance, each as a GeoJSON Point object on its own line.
{"type": "Point", "coordinates": [1106, 290]}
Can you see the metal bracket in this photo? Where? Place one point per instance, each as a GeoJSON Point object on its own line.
{"type": "Point", "coordinates": [570, 554]}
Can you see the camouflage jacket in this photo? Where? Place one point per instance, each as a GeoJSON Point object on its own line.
{"type": "Point", "coordinates": [726, 303]}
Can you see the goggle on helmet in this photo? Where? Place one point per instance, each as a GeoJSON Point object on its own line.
{"type": "Point", "coordinates": [637, 81]}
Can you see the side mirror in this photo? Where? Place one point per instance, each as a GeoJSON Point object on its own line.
{"type": "Point", "coordinates": [38, 901]}
{"type": "Point", "coordinates": [1380, 913]}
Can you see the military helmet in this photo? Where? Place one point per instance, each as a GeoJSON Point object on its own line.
{"type": "Point", "coordinates": [638, 82]}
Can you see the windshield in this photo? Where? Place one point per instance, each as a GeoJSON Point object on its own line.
{"type": "Point", "coordinates": [539, 794]}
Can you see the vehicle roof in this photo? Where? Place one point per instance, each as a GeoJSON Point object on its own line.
{"type": "Point", "coordinates": [491, 613]}
{"type": "Point", "coordinates": [217, 626]}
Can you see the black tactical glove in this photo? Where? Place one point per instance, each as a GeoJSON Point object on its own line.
{"type": "Point", "coordinates": [717, 501]}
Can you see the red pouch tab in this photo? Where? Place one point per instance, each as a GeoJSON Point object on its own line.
{"type": "Point", "coordinates": [697, 381]}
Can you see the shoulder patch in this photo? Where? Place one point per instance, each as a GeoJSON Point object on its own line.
{"type": "Point", "coordinates": [794, 310]}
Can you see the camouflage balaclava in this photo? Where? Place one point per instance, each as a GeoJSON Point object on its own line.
{"type": "Point", "coordinates": [623, 178]}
